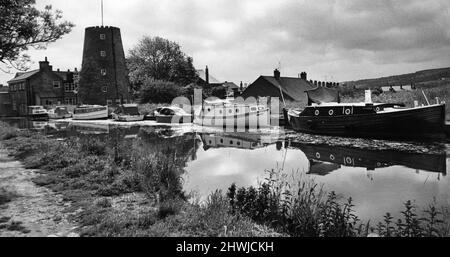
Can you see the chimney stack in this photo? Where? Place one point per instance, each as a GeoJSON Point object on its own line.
{"type": "Point", "coordinates": [207, 75]}
{"type": "Point", "coordinates": [304, 76]}
{"type": "Point", "coordinates": [276, 74]}
{"type": "Point", "coordinates": [44, 65]}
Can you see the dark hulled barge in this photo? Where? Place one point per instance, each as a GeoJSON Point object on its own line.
{"type": "Point", "coordinates": [372, 120]}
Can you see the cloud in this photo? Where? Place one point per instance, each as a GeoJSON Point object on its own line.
{"type": "Point", "coordinates": [240, 40]}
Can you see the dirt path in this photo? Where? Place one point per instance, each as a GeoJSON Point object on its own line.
{"type": "Point", "coordinates": [33, 211]}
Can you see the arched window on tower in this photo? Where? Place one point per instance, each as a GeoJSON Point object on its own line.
{"type": "Point", "coordinates": [102, 36]}
{"type": "Point", "coordinates": [103, 53]}
{"type": "Point", "coordinates": [103, 72]}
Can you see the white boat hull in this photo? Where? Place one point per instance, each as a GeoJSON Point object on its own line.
{"type": "Point", "coordinates": [97, 115]}
{"type": "Point", "coordinates": [249, 120]}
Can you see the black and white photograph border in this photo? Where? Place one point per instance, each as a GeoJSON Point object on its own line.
{"type": "Point", "coordinates": [207, 121]}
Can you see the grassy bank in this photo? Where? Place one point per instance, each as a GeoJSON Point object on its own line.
{"type": "Point", "coordinates": [94, 176]}
{"type": "Point", "coordinates": [134, 188]}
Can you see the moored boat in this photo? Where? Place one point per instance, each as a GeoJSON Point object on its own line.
{"type": "Point", "coordinates": [37, 113]}
{"type": "Point", "coordinates": [59, 112]}
{"type": "Point", "coordinates": [233, 114]}
{"type": "Point", "coordinates": [90, 112]}
{"type": "Point", "coordinates": [127, 113]}
{"type": "Point", "coordinates": [173, 115]}
{"type": "Point", "coordinates": [373, 120]}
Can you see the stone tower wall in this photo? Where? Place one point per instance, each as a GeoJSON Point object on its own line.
{"type": "Point", "coordinates": [116, 78]}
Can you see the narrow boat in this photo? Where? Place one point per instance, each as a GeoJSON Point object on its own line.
{"type": "Point", "coordinates": [37, 113]}
{"type": "Point", "coordinates": [59, 112]}
{"type": "Point", "coordinates": [226, 113]}
{"type": "Point", "coordinates": [127, 113]}
{"type": "Point", "coordinates": [90, 112]}
{"type": "Point", "coordinates": [371, 120]}
{"type": "Point", "coordinates": [173, 115]}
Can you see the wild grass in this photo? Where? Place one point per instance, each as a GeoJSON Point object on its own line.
{"type": "Point", "coordinates": [308, 211]}
{"type": "Point", "coordinates": [6, 131]}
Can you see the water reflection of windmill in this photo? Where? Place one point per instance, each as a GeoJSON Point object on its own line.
{"type": "Point", "coordinates": [236, 140]}
{"type": "Point", "coordinates": [369, 159]}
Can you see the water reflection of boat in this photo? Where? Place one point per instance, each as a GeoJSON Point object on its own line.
{"type": "Point", "coordinates": [236, 140]}
{"type": "Point", "coordinates": [90, 128]}
{"type": "Point", "coordinates": [373, 159]}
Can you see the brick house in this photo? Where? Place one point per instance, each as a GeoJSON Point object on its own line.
{"type": "Point", "coordinates": [43, 86]}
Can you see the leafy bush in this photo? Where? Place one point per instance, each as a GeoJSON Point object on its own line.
{"type": "Point", "coordinates": [154, 91]}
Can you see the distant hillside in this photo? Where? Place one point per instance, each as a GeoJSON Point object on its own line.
{"type": "Point", "coordinates": [432, 77]}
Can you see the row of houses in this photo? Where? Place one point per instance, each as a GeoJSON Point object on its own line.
{"type": "Point", "coordinates": [43, 86]}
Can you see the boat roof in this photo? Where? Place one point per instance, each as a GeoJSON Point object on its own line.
{"type": "Point", "coordinates": [344, 104]}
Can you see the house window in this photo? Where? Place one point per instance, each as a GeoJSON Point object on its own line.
{"type": "Point", "coordinates": [103, 72]}
{"type": "Point", "coordinates": [102, 36]}
{"type": "Point", "coordinates": [69, 87]}
{"type": "Point", "coordinates": [56, 84]}
{"type": "Point", "coordinates": [103, 53]}
{"type": "Point", "coordinates": [117, 101]}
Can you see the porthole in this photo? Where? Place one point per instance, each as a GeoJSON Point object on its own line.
{"type": "Point", "coordinates": [348, 160]}
{"type": "Point", "coordinates": [332, 157]}
{"type": "Point", "coordinates": [331, 112]}
{"type": "Point", "coordinates": [317, 112]}
{"type": "Point", "coordinates": [377, 109]}
{"type": "Point", "coordinates": [237, 110]}
{"type": "Point", "coordinates": [231, 142]}
{"type": "Point", "coordinates": [208, 110]}
{"type": "Point", "coordinates": [348, 111]}
{"type": "Point", "coordinates": [318, 155]}
{"type": "Point", "coordinates": [230, 111]}
{"type": "Point", "coordinates": [220, 112]}
{"type": "Point", "coordinates": [238, 143]}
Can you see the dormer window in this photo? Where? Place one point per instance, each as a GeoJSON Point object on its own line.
{"type": "Point", "coordinates": [103, 53]}
{"type": "Point", "coordinates": [102, 36]}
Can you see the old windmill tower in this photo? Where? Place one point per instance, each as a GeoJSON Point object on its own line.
{"type": "Point", "coordinates": [104, 75]}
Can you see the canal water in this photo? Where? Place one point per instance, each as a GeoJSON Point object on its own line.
{"type": "Point", "coordinates": [379, 181]}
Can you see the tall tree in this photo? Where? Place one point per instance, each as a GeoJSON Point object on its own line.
{"type": "Point", "coordinates": [160, 59]}
{"type": "Point", "coordinates": [22, 26]}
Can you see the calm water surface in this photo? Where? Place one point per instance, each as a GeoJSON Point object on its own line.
{"type": "Point", "coordinates": [378, 181]}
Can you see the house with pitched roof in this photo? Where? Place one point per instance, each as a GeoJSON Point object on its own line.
{"type": "Point", "coordinates": [206, 80]}
{"type": "Point", "coordinates": [43, 86]}
{"type": "Point", "coordinates": [285, 88]}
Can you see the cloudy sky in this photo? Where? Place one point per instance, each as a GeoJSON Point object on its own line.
{"type": "Point", "coordinates": [242, 39]}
